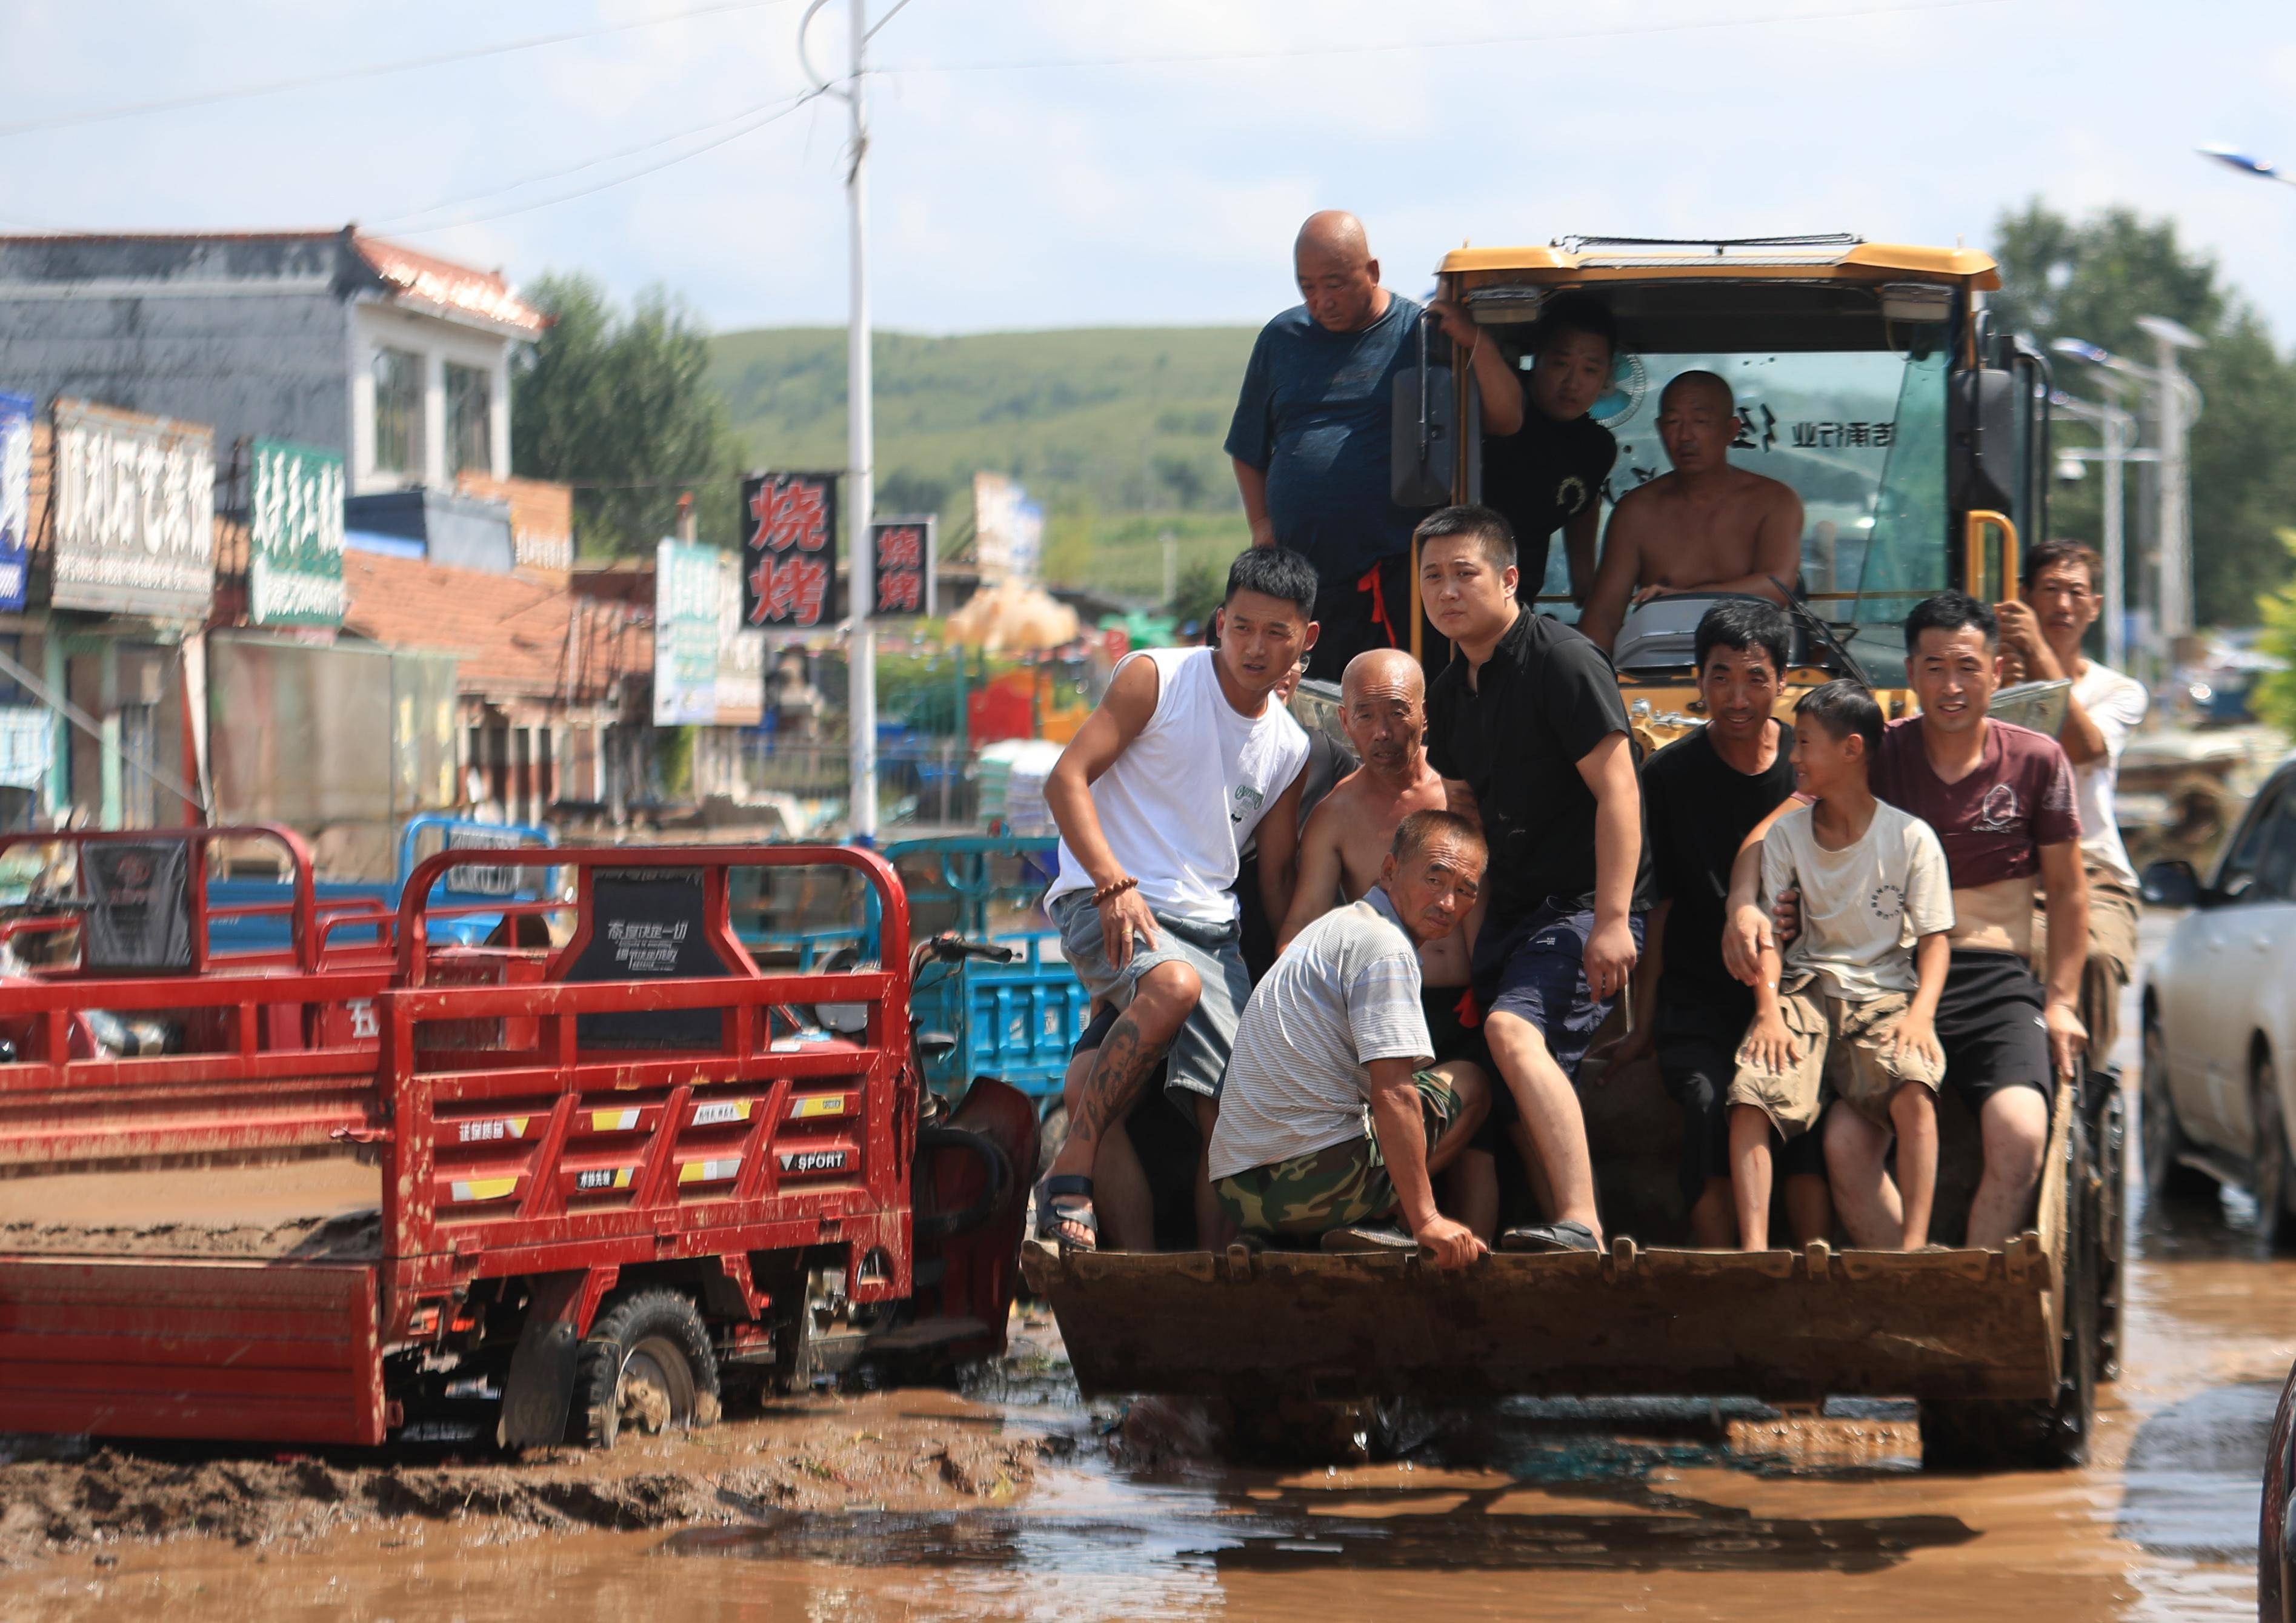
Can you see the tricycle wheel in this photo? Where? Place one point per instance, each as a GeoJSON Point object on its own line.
{"type": "Point", "coordinates": [646, 1364]}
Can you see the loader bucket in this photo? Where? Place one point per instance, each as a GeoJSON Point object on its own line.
{"type": "Point", "coordinates": [1782, 1325]}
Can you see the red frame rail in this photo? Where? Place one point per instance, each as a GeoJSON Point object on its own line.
{"type": "Point", "coordinates": [547, 1157]}
{"type": "Point", "coordinates": [301, 908]}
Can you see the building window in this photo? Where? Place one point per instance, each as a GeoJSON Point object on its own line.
{"type": "Point", "coordinates": [470, 419]}
{"type": "Point", "coordinates": [397, 411]}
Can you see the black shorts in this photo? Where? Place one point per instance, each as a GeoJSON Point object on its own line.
{"type": "Point", "coordinates": [1353, 618]}
{"type": "Point", "coordinates": [1990, 1024]}
{"type": "Point", "coordinates": [1095, 1031]}
{"type": "Point", "coordinates": [1699, 1031]}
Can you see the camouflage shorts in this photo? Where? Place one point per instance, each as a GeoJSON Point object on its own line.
{"type": "Point", "coordinates": [1331, 1188]}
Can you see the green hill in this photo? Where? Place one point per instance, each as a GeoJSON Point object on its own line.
{"type": "Point", "coordinates": [1115, 431]}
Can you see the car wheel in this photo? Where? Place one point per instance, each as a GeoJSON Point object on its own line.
{"type": "Point", "coordinates": [2166, 1177]}
{"type": "Point", "coordinates": [2272, 1181]}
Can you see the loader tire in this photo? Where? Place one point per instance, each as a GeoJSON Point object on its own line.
{"type": "Point", "coordinates": [2048, 1434]}
{"type": "Point", "coordinates": [647, 1365]}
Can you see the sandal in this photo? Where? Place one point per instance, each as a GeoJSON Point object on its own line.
{"type": "Point", "coordinates": [1563, 1236]}
{"type": "Point", "coordinates": [1053, 1220]}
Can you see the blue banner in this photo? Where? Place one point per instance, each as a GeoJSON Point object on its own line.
{"type": "Point", "coordinates": [15, 497]}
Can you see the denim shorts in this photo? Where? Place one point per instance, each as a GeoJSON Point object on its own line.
{"type": "Point", "coordinates": [1536, 970]}
{"type": "Point", "coordinates": [1198, 1062]}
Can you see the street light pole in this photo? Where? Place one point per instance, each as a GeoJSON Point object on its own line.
{"type": "Point", "coordinates": [2115, 429]}
{"type": "Point", "coordinates": [2177, 398]}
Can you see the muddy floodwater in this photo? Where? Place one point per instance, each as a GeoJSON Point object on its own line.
{"type": "Point", "coordinates": [1015, 1501]}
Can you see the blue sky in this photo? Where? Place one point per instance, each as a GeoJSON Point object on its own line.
{"type": "Point", "coordinates": [1147, 191]}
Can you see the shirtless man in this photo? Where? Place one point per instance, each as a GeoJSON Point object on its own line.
{"type": "Point", "coordinates": [2001, 800]}
{"type": "Point", "coordinates": [1706, 527]}
{"type": "Point", "coordinates": [1345, 844]}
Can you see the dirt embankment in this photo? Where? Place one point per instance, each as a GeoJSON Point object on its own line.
{"type": "Point", "coordinates": [895, 1450]}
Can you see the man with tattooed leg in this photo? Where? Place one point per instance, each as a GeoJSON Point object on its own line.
{"type": "Point", "coordinates": [1187, 754]}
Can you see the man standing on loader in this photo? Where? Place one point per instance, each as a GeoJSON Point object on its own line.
{"type": "Point", "coordinates": [1315, 426]}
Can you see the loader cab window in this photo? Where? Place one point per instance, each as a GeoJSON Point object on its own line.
{"type": "Point", "coordinates": [1860, 436]}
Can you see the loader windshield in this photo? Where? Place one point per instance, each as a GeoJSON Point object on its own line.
{"type": "Point", "coordinates": [1860, 435]}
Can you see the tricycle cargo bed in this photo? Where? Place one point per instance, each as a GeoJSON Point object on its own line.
{"type": "Point", "coordinates": [1783, 1326]}
{"type": "Point", "coordinates": [312, 1208]}
{"type": "Point", "coordinates": [282, 1351]}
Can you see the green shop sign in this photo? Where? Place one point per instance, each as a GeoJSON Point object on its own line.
{"type": "Point", "coordinates": [295, 536]}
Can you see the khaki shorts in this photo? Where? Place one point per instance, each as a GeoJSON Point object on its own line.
{"type": "Point", "coordinates": [2112, 909]}
{"type": "Point", "coordinates": [1845, 1043]}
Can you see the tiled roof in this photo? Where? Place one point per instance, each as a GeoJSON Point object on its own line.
{"type": "Point", "coordinates": [454, 287]}
{"type": "Point", "coordinates": [413, 276]}
{"type": "Point", "coordinates": [513, 635]}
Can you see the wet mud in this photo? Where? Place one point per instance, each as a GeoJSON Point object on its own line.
{"type": "Point", "coordinates": [885, 1451]}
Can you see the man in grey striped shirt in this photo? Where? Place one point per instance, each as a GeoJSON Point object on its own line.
{"type": "Point", "coordinates": [1328, 1120]}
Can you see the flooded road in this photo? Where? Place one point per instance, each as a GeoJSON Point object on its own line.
{"type": "Point", "coordinates": [1553, 1510]}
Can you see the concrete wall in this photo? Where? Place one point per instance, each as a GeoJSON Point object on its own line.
{"type": "Point", "coordinates": [250, 359]}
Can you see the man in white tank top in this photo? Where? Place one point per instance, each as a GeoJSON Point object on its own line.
{"type": "Point", "coordinates": [1188, 753]}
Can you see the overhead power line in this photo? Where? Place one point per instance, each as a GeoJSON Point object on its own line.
{"type": "Point", "coordinates": [788, 103]}
{"type": "Point", "coordinates": [773, 110]}
{"type": "Point", "coordinates": [208, 98]}
{"type": "Point", "coordinates": [1479, 42]}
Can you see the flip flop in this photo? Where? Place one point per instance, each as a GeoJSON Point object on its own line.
{"type": "Point", "coordinates": [1053, 1220]}
{"type": "Point", "coordinates": [1563, 1236]}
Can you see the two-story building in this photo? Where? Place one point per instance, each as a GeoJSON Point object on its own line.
{"type": "Point", "coordinates": [398, 361]}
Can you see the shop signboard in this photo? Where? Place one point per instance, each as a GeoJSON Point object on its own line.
{"type": "Point", "coordinates": [135, 513]}
{"type": "Point", "coordinates": [740, 653]}
{"type": "Point", "coordinates": [15, 497]}
{"type": "Point", "coordinates": [901, 557]}
{"type": "Point", "coordinates": [295, 536]}
{"type": "Point", "coordinates": [789, 551]}
{"type": "Point", "coordinates": [686, 592]}
{"type": "Point", "coordinates": [1008, 529]}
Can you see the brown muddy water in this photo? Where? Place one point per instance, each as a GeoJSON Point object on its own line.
{"type": "Point", "coordinates": [1015, 1502]}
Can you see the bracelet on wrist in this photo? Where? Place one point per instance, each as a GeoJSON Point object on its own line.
{"type": "Point", "coordinates": [1109, 891]}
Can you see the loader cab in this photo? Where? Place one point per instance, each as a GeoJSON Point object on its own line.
{"type": "Point", "coordinates": [1870, 378]}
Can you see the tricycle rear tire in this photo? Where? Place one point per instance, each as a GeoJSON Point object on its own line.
{"type": "Point", "coordinates": [646, 1362]}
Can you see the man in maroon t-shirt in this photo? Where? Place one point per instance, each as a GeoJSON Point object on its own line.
{"type": "Point", "coordinates": [2001, 800]}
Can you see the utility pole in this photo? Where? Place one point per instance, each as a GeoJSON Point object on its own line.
{"type": "Point", "coordinates": [860, 461]}
{"type": "Point", "coordinates": [1171, 569]}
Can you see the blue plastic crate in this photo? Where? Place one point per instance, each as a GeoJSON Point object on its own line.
{"type": "Point", "coordinates": [1021, 1020]}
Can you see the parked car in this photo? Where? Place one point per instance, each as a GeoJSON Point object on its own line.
{"type": "Point", "coordinates": [2219, 1019]}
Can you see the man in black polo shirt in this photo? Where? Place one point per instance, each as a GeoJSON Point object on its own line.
{"type": "Point", "coordinates": [1549, 473]}
{"type": "Point", "coordinates": [1531, 718]}
{"type": "Point", "coordinates": [1702, 796]}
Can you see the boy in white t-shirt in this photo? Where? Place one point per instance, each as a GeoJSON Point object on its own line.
{"type": "Point", "coordinates": [1854, 1001]}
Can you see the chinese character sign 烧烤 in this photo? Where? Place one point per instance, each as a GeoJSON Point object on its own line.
{"type": "Point", "coordinates": [789, 551]}
{"type": "Point", "coordinates": [901, 562]}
